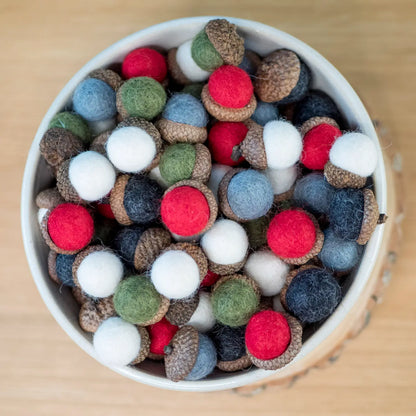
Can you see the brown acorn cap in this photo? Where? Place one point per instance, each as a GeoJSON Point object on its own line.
{"type": "Point", "coordinates": [235, 365]}
{"type": "Point", "coordinates": [227, 114]}
{"type": "Point", "coordinates": [174, 69]}
{"type": "Point", "coordinates": [79, 295]}
{"type": "Point", "coordinates": [117, 200]}
{"type": "Point", "coordinates": [316, 121]}
{"type": "Point", "coordinates": [150, 245]}
{"type": "Point", "coordinates": [144, 345]}
{"type": "Point", "coordinates": [64, 185]}
{"type": "Point", "coordinates": [163, 308]}
{"type": "Point", "coordinates": [223, 195]}
{"type": "Point", "coordinates": [180, 311]}
{"type": "Point", "coordinates": [52, 266]}
{"type": "Point", "coordinates": [98, 144]}
{"type": "Point", "coordinates": [110, 77]}
{"type": "Point", "coordinates": [371, 217]}
{"type": "Point", "coordinates": [225, 39]}
{"type": "Point", "coordinates": [155, 357]}
{"type": "Point", "coordinates": [49, 198]}
{"type": "Point", "coordinates": [285, 195]}
{"type": "Point", "coordinates": [93, 313]}
{"type": "Point", "coordinates": [277, 76]}
{"type": "Point", "coordinates": [174, 132]}
{"type": "Point", "coordinates": [340, 178]}
{"type": "Point", "coordinates": [58, 145]}
{"type": "Point", "coordinates": [291, 351]}
{"type": "Point", "coordinates": [202, 167]}
{"type": "Point", "coordinates": [181, 353]}
{"type": "Point", "coordinates": [225, 269]}
{"type": "Point", "coordinates": [251, 282]}
{"type": "Point", "coordinates": [252, 147]}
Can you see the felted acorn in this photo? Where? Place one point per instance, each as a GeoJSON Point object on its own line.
{"type": "Point", "coordinates": [282, 77]}
{"type": "Point", "coordinates": [73, 122]}
{"type": "Point", "coordinates": [188, 208]}
{"type": "Point", "coordinates": [181, 310]}
{"type": "Point", "coordinates": [245, 194]}
{"type": "Point", "coordinates": [184, 119]}
{"type": "Point", "coordinates": [282, 181]}
{"type": "Point", "coordinates": [294, 235]}
{"type": "Point", "coordinates": [209, 279]}
{"type": "Point", "coordinates": [135, 199]}
{"type": "Point", "coordinates": [179, 270]}
{"type": "Point", "coordinates": [352, 158]}
{"type": "Point", "coordinates": [273, 339]}
{"type": "Point", "coordinates": [144, 62]}
{"type": "Point", "coordinates": [265, 112]}
{"type": "Point", "coordinates": [217, 173]}
{"type": "Point", "coordinates": [79, 296]}
{"type": "Point", "coordinates": [194, 89]}
{"type": "Point", "coordinates": [229, 96]}
{"type": "Point", "coordinates": [189, 356]}
{"type": "Point", "coordinates": [60, 268]}
{"type": "Point", "coordinates": [161, 334]}
{"type": "Point", "coordinates": [316, 121]}
{"type": "Point", "coordinates": [93, 312]}
{"type": "Point", "coordinates": [226, 246]}
{"type": "Point", "coordinates": [250, 62]}
{"type": "Point", "coordinates": [47, 200]}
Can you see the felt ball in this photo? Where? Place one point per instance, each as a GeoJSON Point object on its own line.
{"type": "Point", "coordinates": [185, 211]}
{"type": "Point", "coordinates": [144, 62]}
{"type": "Point", "coordinates": [282, 180]}
{"type": "Point", "coordinates": [204, 53]}
{"type": "Point", "coordinates": [209, 279]}
{"type": "Point", "coordinates": [250, 62]}
{"type": "Point", "coordinates": [175, 274]}
{"type": "Point", "coordinates": [313, 295]}
{"type": "Point", "coordinates": [94, 100]}
{"type": "Point", "coordinates": [291, 234]}
{"type": "Point", "coordinates": [74, 123]}
{"type": "Point", "coordinates": [141, 97]}
{"type": "Point", "coordinates": [100, 126]}
{"type": "Point", "coordinates": [99, 273]}
{"type": "Point", "coordinates": [301, 87]}
{"type": "Point", "coordinates": [186, 109]}
{"type": "Point", "coordinates": [317, 143]}
{"type": "Point", "coordinates": [282, 144]}
{"type": "Point", "coordinates": [91, 175]}
{"type": "Point", "coordinates": [277, 304]}
{"type": "Point", "coordinates": [267, 270]}
{"type": "Point", "coordinates": [314, 193]}
{"type": "Point", "coordinates": [63, 267]}
{"type": "Point", "coordinates": [225, 242]}
{"type": "Point", "coordinates": [125, 242]}
{"type": "Point", "coordinates": [70, 227]}
{"type": "Point", "coordinates": [346, 213]}
{"type": "Point", "coordinates": [203, 318]}
{"type": "Point", "coordinates": [257, 231]}
{"type": "Point", "coordinates": [229, 341]}
{"type": "Point", "coordinates": [105, 210]}
{"type": "Point", "coordinates": [161, 334]}
{"type": "Point", "coordinates": [217, 173]}
{"type": "Point", "coordinates": [265, 112]}
{"type": "Point", "coordinates": [131, 149]}
{"type": "Point", "coordinates": [337, 254]}
{"type": "Point", "coordinates": [177, 162]}
{"type": "Point", "coordinates": [188, 66]}
{"type": "Point", "coordinates": [267, 335]}
{"type": "Point", "coordinates": [194, 89]}
{"type": "Point", "coordinates": [206, 359]}
{"type": "Point", "coordinates": [136, 300]}
{"type": "Point", "coordinates": [155, 175]}
{"type": "Point", "coordinates": [230, 87]}
{"type": "Point", "coordinates": [356, 153]}
{"type": "Point", "coordinates": [142, 197]}
{"type": "Point", "coordinates": [117, 342]}
{"type": "Point", "coordinates": [222, 139]}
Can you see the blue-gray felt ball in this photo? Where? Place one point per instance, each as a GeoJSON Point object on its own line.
{"type": "Point", "coordinates": [250, 62]}
{"type": "Point", "coordinates": [205, 361]}
{"type": "Point", "coordinates": [313, 295]}
{"type": "Point", "coordinates": [125, 242]}
{"type": "Point", "coordinates": [265, 112]}
{"type": "Point", "coordinates": [94, 100]}
{"type": "Point", "coordinates": [314, 193]}
{"type": "Point", "coordinates": [301, 88]}
{"type": "Point", "coordinates": [250, 194]}
{"type": "Point", "coordinates": [186, 109]}
{"type": "Point", "coordinates": [346, 213]}
{"type": "Point", "coordinates": [63, 267]}
{"type": "Point", "coordinates": [337, 254]}
{"type": "Point", "coordinates": [229, 341]}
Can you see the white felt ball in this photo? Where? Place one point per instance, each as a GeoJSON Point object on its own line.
{"type": "Point", "coordinates": [282, 179]}
{"type": "Point", "coordinates": [267, 270]}
{"type": "Point", "coordinates": [277, 304]}
{"type": "Point", "coordinates": [217, 173]}
{"type": "Point", "coordinates": [117, 342]}
{"type": "Point", "coordinates": [91, 175]}
{"type": "Point", "coordinates": [203, 318]}
{"type": "Point", "coordinates": [354, 152]}
{"type": "Point", "coordinates": [175, 274]}
{"type": "Point", "coordinates": [282, 143]}
{"type": "Point", "coordinates": [188, 66]}
{"type": "Point", "coordinates": [156, 176]}
{"type": "Point", "coordinates": [41, 213]}
{"type": "Point", "coordinates": [100, 126]}
{"type": "Point", "coordinates": [131, 149]}
{"type": "Point", "coordinates": [225, 242]}
{"type": "Point", "coordinates": [99, 273]}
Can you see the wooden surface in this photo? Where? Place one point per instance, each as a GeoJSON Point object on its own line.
{"type": "Point", "coordinates": [42, 372]}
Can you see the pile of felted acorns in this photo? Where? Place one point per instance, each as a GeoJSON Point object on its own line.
{"type": "Point", "coordinates": [207, 206]}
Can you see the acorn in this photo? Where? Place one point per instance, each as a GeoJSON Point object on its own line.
{"type": "Point", "coordinates": [93, 312]}
{"type": "Point", "coordinates": [181, 310]}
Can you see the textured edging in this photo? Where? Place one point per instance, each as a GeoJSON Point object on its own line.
{"type": "Point", "coordinates": [370, 218]}
{"type": "Point", "coordinates": [181, 310]}
{"type": "Point", "coordinates": [174, 132]}
{"type": "Point", "coordinates": [224, 205]}
{"type": "Point", "coordinates": [174, 69]}
{"type": "Point", "coordinates": [117, 200]}
{"type": "Point", "coordinates": [316, 121]}
{"type": "Point", "coordinates": [81, 256]}
{"type": "Point", "coordinates": [341, 178]}
{"type": "Point", "coordinates": [251, 282]}
{"type": "Point", "coordinates": [202, 166]}
{"type": "Point", "coordinates": [63, 183]}
{"type": "Point", "coordinates": [161, 312]}
{"type": "Point", "coordinates": [252, 147]}
{"type": "Point", "coordinates": [52, 266]}
{"type": "Point", "coordinates": [235, 365]}
{"type": "Point", "coordinates": [144, 346]}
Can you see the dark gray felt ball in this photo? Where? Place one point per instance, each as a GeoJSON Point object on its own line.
{"type": "Point", "coordinates": [301, 88]}
{"type": "Point", "coordinates": [64, 269]}
{"type": "Point", "coordinates": [229, 341]}
{"type": "Point", "coordinates": [125, 242]}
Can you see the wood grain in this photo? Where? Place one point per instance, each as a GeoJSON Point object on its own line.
{"type": "Point", "coordinates": [42, 372]}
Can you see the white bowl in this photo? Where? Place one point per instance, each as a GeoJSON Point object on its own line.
{"type": "Point", "coordinates": [262, 39]}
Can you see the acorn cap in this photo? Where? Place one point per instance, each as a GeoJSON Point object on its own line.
{"type": "Point", "coordinates": [224, 113]}
{"type": "Point", "coordinates": [174, 132]}
{"type": "Point", "coordinates": [291, 351]}
{"type": "Point", "coordinates": [277, 76]}
{"type": "Point", "coordinates": [181, 353]}
{"type": "Point", "coordinates": [49, 198]}
{"type": "Point", "coordinates": [202, 168]}
{"type": "Point", "coordinates": [316, 121]}
{"type": "Point", "coordinates": [225, 269]}
{"type": "Point", "coordinates": [174, 69]}
{"type": "Point", "coordinates": [251, 282]}
{"type": "Point", "coordinates": [110, 77]}
{"type": "Point", "coordinates": [340, 178]}
{"type": "Point", "coordinates": [180, 311]}
{"type": "Point", "coordinates": [52, 266]}
{"type": "Point", "coordinates": [252, 147]}
{"type": "Point", "coordinates": [284, 196]}
{"type": "Point", "coordinates": [144, 345]}
{"type": "Point", "coordinates": [98, 144]}
{"type": "Point", "coordinates": [371, 217]}
{"type": "Point", "coordinates": [93, 313]}
{"type": "Point", "coordinates": [64, 184]}
{"type": "Point", "coordinates": [117, 200]}
{"type": "Point", "coordinates": [235, 365]}
{"type": "Point", "coordinates": [79, 295]}
{"type": "Point", "coordinates": [156, 357]}
{"type": "Point", "coordinates": [225, 39]}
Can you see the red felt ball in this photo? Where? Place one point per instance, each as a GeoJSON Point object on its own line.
{"type": "Point", "coordinates": [161, 334]}
{"type": "Point", "coordinates": [291, 234]}
{"type": "Point", "coordinates": [185, 211]}
{"type": "Point", "coordinates": [70, 227]}
{"type": "Point", "coordinates": [267, 335]}
{"type": "Point", "coordinates": [209, 279]}
{"type": "Point", "coordinates": [230, 86]}
{"type": "Point", "coordinates": [144, 62]}
{"type": "Point", "coordinates": [317, 143]}
{"type": "Point", "coordinates": [222, 138]}
{"type": "Point", "coordinates": [106, 211]}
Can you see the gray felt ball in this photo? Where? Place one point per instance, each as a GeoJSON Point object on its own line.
{"type": "Point", "coordinates": [64, 269]}
{"type": "Point", "coordinates": [205, 361]}
{"type": "Point", "coordinates": [265, 112]}
{"type": "Point", "coordinates": [301, 88]}
{"type": "Point", "coordinates": [125, 242]}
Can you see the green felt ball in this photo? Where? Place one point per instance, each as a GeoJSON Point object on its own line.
{"type": "Point", "coordinates": [234, 302]}
{"type": "Point", "coordinates": [177, 162]}
{"type": "Point", "coordinates": [74, 123]}
{"type": "Point", "coordinates": [143, 97]}
{"type": "Point", "coordinates": [257, 231]}
{"type": "Point", "coordinates": [204, 53]}
{"type": "Point", "coordinates": [136, 300]}
{"type": "Point", "coordinates": [194, 89]}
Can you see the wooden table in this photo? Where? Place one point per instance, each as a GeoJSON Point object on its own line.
{"type": "Point", "coordinates": [42, 372]}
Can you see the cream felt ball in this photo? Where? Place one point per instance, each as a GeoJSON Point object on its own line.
{"type": "Point", "coordinates": [267, 270]}
{"type": "Point", "coordinates": [91, 175]}
{"type": "Point", "coordinates": [282, 143]}
{"type": "Point", "coordinates": [217, 173]}
{"type": "Point", "coordinates": [354, 152]}
{"type": "Point", "coordinates": [282, 180]}
{"type": "Point", "coordinates": [188, 66]}
{"type": "Point", "coordinates": [203, 318]}
{"type": "Point", "coordinates": [117, 342]}
{"type": "Point", "coordinates": [131, 149]}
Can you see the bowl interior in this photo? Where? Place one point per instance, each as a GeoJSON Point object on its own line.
{"type": "Point", "coordinates": [262, 39]}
